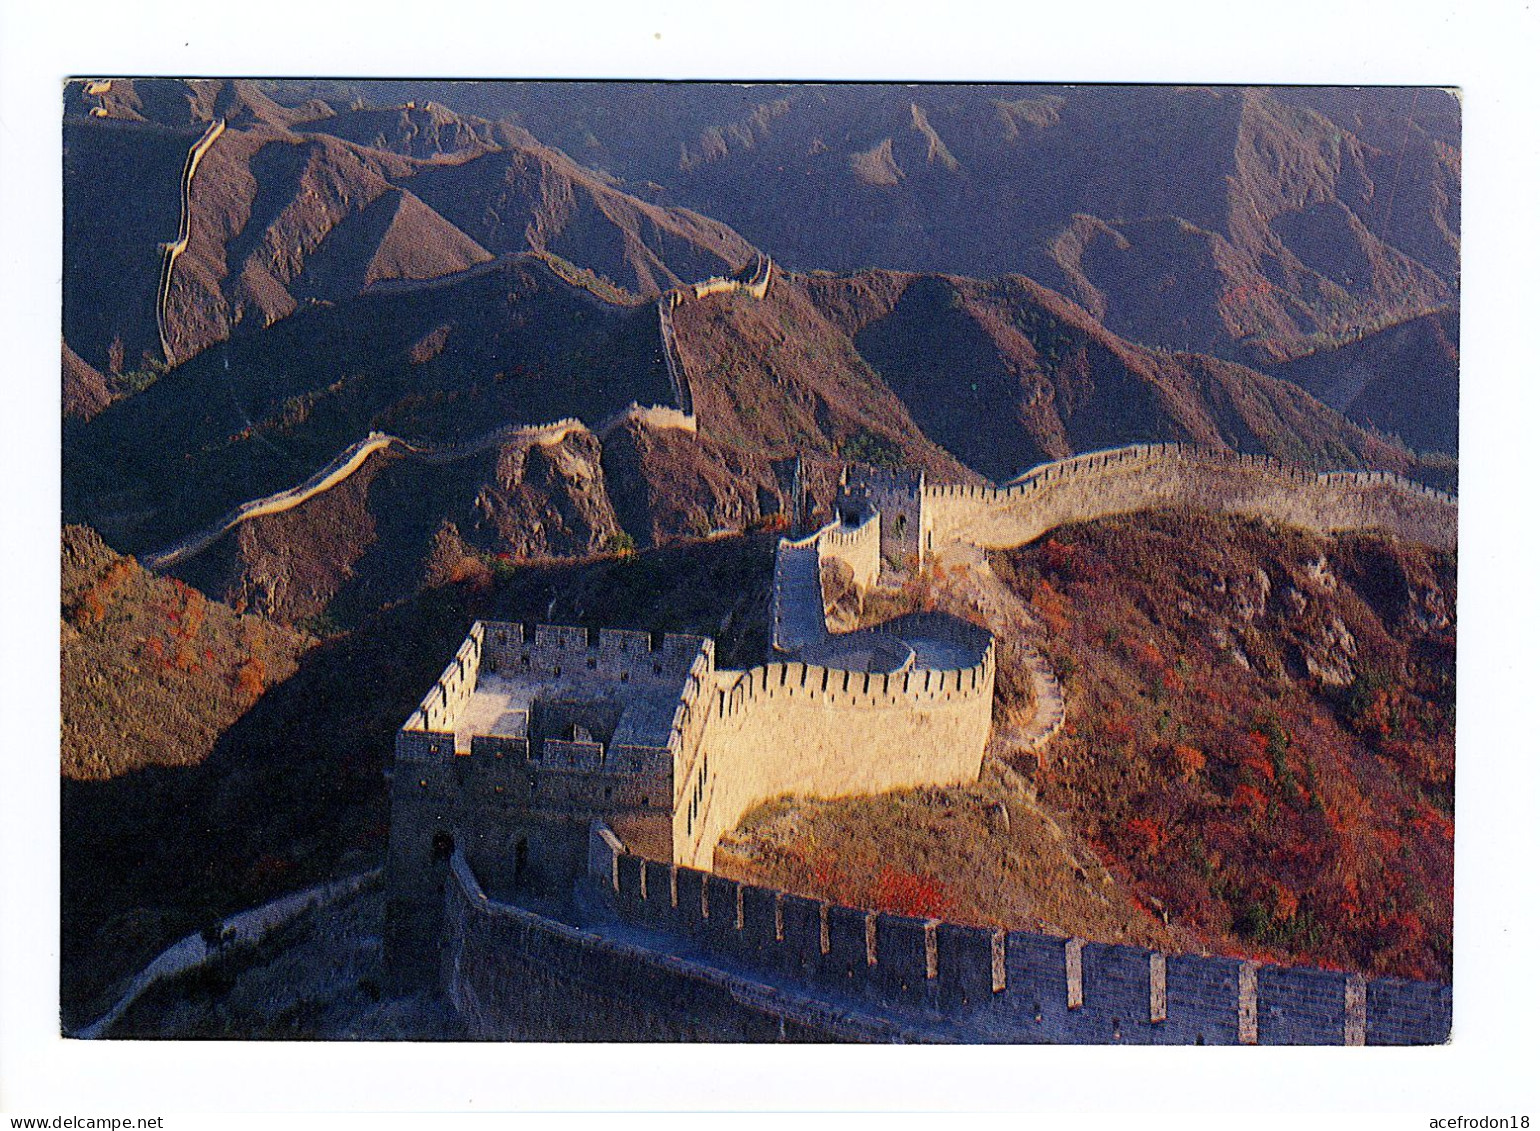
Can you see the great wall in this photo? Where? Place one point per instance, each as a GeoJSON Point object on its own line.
{"type": "Point", "coordinates": [512, 782]}
{"type": "Point", "coordinates": [1099, 484]}
{"type": "Point", "coordinates": [349, 460]}
{"type": "Point", "coordinates": [679, 415]}
{"type": "Point", "coordinates": [605, 770]}
{"type": "Point", "coordinates": [244, 929]}
{"type": "Point", "coordinates": [170, 252]}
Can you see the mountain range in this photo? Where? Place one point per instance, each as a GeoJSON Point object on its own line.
{"type": "Point", "coordinates": [485, 293]}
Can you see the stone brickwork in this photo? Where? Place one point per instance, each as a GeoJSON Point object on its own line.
{"type": "Point", "coordinates": [946, 981]}
{"type": "Point", "coordinates": [516, 975]}
{"type": "Point", "coordinates": [1125, 480]}
{"type": "Point", "coordinates": [905, 704]}
{"type": "Point", "coordinates": [900, 501]}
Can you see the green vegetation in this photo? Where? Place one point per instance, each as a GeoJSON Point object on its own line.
{"type": "Point", "coordinates": [866, 446]}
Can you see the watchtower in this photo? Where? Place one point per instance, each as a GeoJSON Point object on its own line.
{"type": "Point", "coordinates": [898, 497]}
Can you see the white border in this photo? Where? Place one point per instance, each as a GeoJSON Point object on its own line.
{"type": "Point", "coordinates": [1486, 51]}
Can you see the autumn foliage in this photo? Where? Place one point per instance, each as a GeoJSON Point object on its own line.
{"type": "Point", "coordinates": [1261, 730]}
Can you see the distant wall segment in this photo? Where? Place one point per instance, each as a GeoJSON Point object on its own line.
{"type": "Point", "coordinates": [172, 251]}
{"type": "Point", "coordinates": [1125, 480]}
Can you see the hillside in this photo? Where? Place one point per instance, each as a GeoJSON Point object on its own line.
{"type": "Point", "coordinates": [1227, 220]}
{"type": "Point", "coordinates": [511, 344]}
{"type": "Point", "coordinates": [1007, 374]}
{"type": "Point", "coordinates": [1403, 380]}
{"type": "Point", "coordinates": [780, 376]}
{"type": "Point", "coordinates": [297, 206]}
{"type": "Point", "coordinates": [84, 389]}
{"type": "Point", "coordinates": [1261, 730]}
{"type": "Point", "coordinates": [154, 671]}
{"type": "Point", "coordinates": [1258, 757]}
{"type": "Point", "coordinates": [384, 532]}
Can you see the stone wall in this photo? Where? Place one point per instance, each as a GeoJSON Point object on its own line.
{"type": "Point", "coordinates": [343, 465]}
{"type": "Point", "coordinates": [979, 984]}
{"type": "Point", "coordinates": [900, 500]}
{"type": "Point", "coordinates": [800, 728]}
{"type": "Point", "coordinates": [673, 363]}
{"type": "Point", "coordinates": [859, 547]}
{"type": "Point", "coordinates": [516, 975]}
{"type": "Point", "coordinates": [650, 416]}
{"type": "Point", "coordinates": [436, 713]}
{"type": "Point", "coordinates": [1130, 479]}
{"type": "Point", "coordinates": [520, 819]}
{"type": "Point", "coordinates": [172, 250]}
{"type": "Point", "coordinates": [755, 284]}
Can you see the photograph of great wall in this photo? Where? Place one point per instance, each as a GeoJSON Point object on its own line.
{"type": "Point", "coordinates": [679, 562]}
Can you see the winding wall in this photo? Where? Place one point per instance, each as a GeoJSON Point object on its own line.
{"type": "Point", "coordinates": [757, 285]}
{"type": "Point", "coordinates": [681, 415]}
{"type": "Point", "coordinates": [246, 928]}
{"type": "Point", "coordinates": [797, 618]}
{"type": "Point", "coordinates": [171, 251]}
{"type": "Point", "coordinates": [1123, 480]}
{"type": "Point", "coordinates": [340, 468]}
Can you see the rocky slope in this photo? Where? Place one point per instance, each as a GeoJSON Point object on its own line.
{"type": "Point", "coordinates": [1258, 757]}
{"type": "Point", "coordinates": [1217, 219]}
{"type": "Point", "coordinates": [154, 671]}
{"type": "Point", "coordinates": [296, 206]}
{"type": "Point", "coordinates": [397, 525]}
{"type": "Point", "coordinates": [1261, 730]}
{"type": "Point", "coordinates": [1403, 380]}
{"type": "Point", "coordinates": [1007, 374]}
{"type": "Point", "coordinates": [512, 344]}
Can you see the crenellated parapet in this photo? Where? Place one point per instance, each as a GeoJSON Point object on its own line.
{"type": "Point", "coordinates": [935, 980]}
{"type": "Point", "coordinates": [1139, 477]}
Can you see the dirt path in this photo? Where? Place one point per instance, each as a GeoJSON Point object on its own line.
{"type": "Point", "coordinates": [1010, 618]}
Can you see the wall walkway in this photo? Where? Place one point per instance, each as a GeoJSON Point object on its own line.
{"type": "Point", "coordinates": [1142, 476]}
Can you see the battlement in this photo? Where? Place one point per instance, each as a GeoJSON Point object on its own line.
{"type": "Point", "coordinates": [843, 687]}
{"type": "Point", "coordinates": [1123, 480]}
{"type": "Point", "coordinates": [609, 653]}
{"type": "Point", "coordinates": [753, 280]}
{"type": "Point", "coordinates": [651, 416]}
{"type": "Point", "coordinates": [514, 672]}
{"type": "Point", "coordinates": [993, 984]}
{"type": "Point", "coordinates": [529, 735]}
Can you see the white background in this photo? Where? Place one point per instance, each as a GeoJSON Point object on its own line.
{"type": "Point", "coordinates": [1484, 49]}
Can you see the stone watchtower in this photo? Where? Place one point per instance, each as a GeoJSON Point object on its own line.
{"type": "Point", "coordinates": [523, 742]}
{"type": "Point", "coordinates": [898, 497]}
